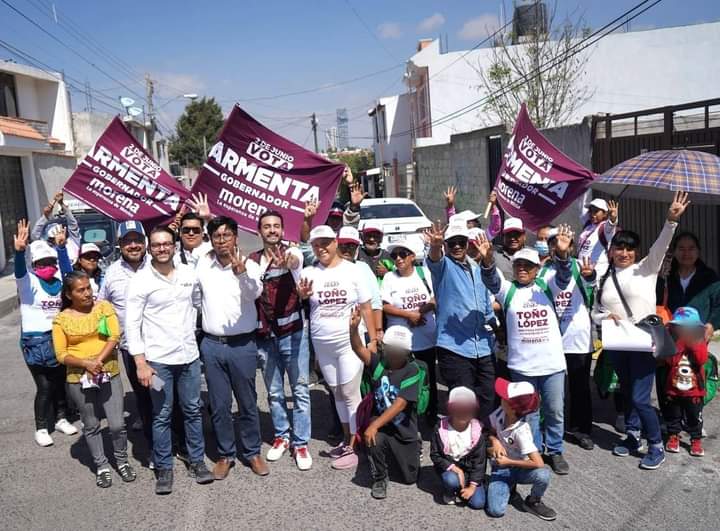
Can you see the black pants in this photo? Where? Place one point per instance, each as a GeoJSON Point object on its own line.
{"type": "Point", "coordinates": [429, 356]}
{"type": "Point", "coordinates": [477, 374]}
{"type": "Point", "coordinates": [50, 401]}
{"type": "Point", "coordinates": [578, 404]}
{"type": "Point", "coordinates": [406, 456]}
{"type": "Point", "coordinates": [689, 408]}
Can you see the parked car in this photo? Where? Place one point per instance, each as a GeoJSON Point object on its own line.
{"type": "Point", "coordinates": [401, 219]}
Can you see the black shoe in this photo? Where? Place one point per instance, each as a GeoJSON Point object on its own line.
{"type": "Point", "coordinates": [103, 478]}
{"type": "Point", "coordinates": [379, 489]}
{"type": "Point", "coordinates": [558, 464]}
{"type": "Point", "coordinates": [584, 441]}
{"type": "Point", "coordinates": [164, 481]}
{"type": "Point", "coordinates": [127, 473]}
{"type": "Point", "coordinates": [201, 473]}
{"type": "Point", "coordinates": [539, 509]}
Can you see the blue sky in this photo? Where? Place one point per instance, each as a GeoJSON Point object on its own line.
{"type": "Point", "coordinates": [241, 50]}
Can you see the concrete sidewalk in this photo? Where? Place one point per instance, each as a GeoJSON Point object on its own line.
{"type": "Point", "coordinates": [8, 295]}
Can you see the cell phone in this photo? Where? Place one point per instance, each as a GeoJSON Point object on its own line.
{"type": "Point", "coordinates": [157, 383]}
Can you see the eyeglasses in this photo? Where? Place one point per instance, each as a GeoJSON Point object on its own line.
{"type": "Point", "coordinates": [400, 254]}
{"type": "Point", "coordinates": [222, 236]}
{"type": "Point", "coordinates": [132, 241]}
{"type": "Point", "coordinates": [191, 230]}
{"type": "Point", "coordinates": [457, 242]}
{"type": "Point", "coordinates": [162, 245]}
{"type": "Point", "coordinates": [92, 257]}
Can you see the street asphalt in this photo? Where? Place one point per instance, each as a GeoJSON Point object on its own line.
{"type": "Point", "coordinates": [54, 488]}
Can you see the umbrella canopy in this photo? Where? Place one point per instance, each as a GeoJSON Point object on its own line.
{"type": "Point", "coordinates": [660, 173]}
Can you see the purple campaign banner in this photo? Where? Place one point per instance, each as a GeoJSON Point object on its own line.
{"type": "Point", "coordinates": [251, 170]}
{"type": "Point", "coordinates": [537, 182]}
{"type": "Point", "coordinates": [121, 180]}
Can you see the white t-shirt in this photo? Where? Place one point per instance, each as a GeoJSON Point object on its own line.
{"type": "Point", "coordinates": [517, 439]}
{"type": "Point", "coordinates": [336, 291]}
{"type": "Point", "coordinates": [685, 281]}
{"type": "Point", "coordinates": [590, 245]}
{"type": "Point", "coordinates": [535, 346]}
{"type": "Point", "coordinates": [459, 442]}
{"type": "Point", "coordinates": [37, 307]}
{"type": "Point", "coordinates": [410, 293]}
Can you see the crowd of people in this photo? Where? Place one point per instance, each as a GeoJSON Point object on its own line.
{"type": "Point", "coordinates": [508, 329]}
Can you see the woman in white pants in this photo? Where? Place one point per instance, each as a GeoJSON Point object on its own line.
{"type": "Point", "coordinates": [334, 287]}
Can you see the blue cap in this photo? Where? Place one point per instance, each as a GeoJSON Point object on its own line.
{"type": "Point", "coordinates": [687, 316]}
{"type": "Point", "coordinates": [127, 227]}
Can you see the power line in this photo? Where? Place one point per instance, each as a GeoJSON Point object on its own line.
{"type": "Point", "coordinates": [371, 32]}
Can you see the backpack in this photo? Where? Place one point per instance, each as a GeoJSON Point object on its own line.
{"type": "Point", "coordinates": [711, 378]}
{"type": "Point", "coordinates": [587, 292]}
{"type": "Point", "coordinates": [421, 273]}
{"type": "Point", "coordinates": [421, 379]}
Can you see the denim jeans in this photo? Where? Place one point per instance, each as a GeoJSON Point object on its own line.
{"type": "Point", "coordinates": [636, 373]}
{"type": "Point", "coordinates": [552, 403]}
{"type": "Point", "coordinates": [230, 368]}
{"type": "Point", "coordinates": [502, 480]}
{"type": "Point", "coordinates": [451, 486]}
{"type": "Point", "coordinates": [288, 354]}
{"type": "Point", "coordinates": [186, 379]}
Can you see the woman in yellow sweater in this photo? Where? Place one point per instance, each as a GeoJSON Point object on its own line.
{"type": "Point", "coordinates": [85, 335]}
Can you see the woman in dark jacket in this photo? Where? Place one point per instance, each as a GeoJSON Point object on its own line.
{"type": "Point", "coordinates": [688, 274]}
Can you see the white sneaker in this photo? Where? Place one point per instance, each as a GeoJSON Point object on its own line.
{"type": "Point", "coordinates": [65, 427]}
{"type": "Point", "coordinates": [279, 447]}
{"type": "Point", "coordinates": [620, 423]}
{"type": "Point", "coordinates": [42, 437]}
{"type": "Point", "coordinates": [303, 459]}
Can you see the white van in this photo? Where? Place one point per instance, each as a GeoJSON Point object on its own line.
{"type": "Point", "coordinates": [400, 218]}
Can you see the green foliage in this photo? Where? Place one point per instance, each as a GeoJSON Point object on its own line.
{"type": "Point", "coordinates": [358, 162]}
{"type": "Point", "coordinates": [201, 118]}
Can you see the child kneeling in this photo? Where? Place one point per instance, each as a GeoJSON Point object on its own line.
{"type": "Point", "coordinates": [515, 458]}
{"type": "Point", "coordinates": [458, 449]}
{"type": "Point", "coordinates": [685, 385]}
{"type": "Point", "coordinates": [393, 427]}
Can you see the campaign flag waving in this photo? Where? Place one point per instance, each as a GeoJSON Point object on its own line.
{"type": "Point", "coordinates": [121, 180]}
{"type": "Point", "coordinates": [251, 169]}
{"type": "Point", "coordinates": [536, 181]}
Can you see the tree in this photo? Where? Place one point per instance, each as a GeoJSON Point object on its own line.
{"type": "Point", "coordinates": [359, 161]}
{"type": "Point", "coordinates": [537, 69]}
{"type": "Point", "coordinates": [201, 119]}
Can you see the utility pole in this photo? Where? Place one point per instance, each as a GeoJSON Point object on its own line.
{"type": "Point", "coordinates": [314, 124]}
{"type": "Point", "coordinates": [150, 119]}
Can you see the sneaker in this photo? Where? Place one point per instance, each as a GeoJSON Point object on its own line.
{"type": "Point", "coordinates": [379, 489]}
{"type": "Point", "coordinates": [673, 444]}
{"type": "Point", "coordinates": [164, 481]}
{"type": "Point", "coordinates": [279, 446]}
{"type": "Point", "coordinates": [103, 478]}
{"type": "Point", "coordinates": [347, 461]}
{"type": "Point", "coordinates": [65, 427]}
{"type": "Point", "coordinates": [585, 441]}
{"type": "Point", "coordinates": [704, 433]}
{"type": "Point", "coordinates": [449, 499]}
{"type": "Point", "coordinates": [696, 449]}
{"type": "Point", "coordinates": [340, 450]}
{"type": "Point", "coordinates": [620, 423]}
{"type": "Point", "coordinates": [539, 509]}
{"type": "Point", "coordinates": [653, 459]}
{"type": "Point", "coordinates": [127, 473]}
{"type": "Point", "coordinates": [42, 437]}
{"type": "Point", "coordinates": [627, 446]}
{"type": "Point", "coordinates": [151, 465]}
{"type": "Point", "coordinates": [201, 473]}
{"type": "Point", "coordinates": [559, 465]}
{"type": "Point", "coordinates": [303, 459]}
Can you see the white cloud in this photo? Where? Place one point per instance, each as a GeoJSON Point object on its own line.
{"type": "Point", "coordinates": [172, 83]}
{"type": "Point", "coordinates": [479, 27]}
{"type": "Point", "coordinates": [431, 23]}
{"type": "Point", "coordinates": [389, 30]}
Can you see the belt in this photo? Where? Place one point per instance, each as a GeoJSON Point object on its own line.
{"type": "Point", "coordinates": [229, 339]}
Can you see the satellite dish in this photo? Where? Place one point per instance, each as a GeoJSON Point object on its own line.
{"type": "Point", "coordinates": [134, 111]}
{"type": "Point", "coordinates": [126, 102]}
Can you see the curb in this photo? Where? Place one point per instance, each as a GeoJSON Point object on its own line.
{"type": "Point", "coordinates": [8, 305]}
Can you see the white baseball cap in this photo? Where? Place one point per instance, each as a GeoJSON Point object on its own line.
{"type": "Point", "coordinates": [598, 203]}
{"type": "Point", "coordinates": [349, 235]}
{"type": "Point", "coordinates": [513, 225]}
{"type": "Point", "coordinates": [400, 244]}
{"type": "Point", "coordinates": [40, 249]}
{"type": "Point", "coordinates": [475, 232]}
{"type": "Point", "coordinates": [530, 255]}
{"type": "Point", "coordinates": [397, 336]}
{"type": "Point", "coordinates": [457, 229]}
{"type": "Point", "coordinates": [322, 231]}
{"type": "Point", "coordinates": [462, 395]}
{"type": "Point", "coordinates": [89, 248]}
{"type": "Point", "coordinates": [468, 215]}
{"type": "Point", "coordinates": [372, 225]}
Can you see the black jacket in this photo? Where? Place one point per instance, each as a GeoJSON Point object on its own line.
{"type": "Point", "coordinates": [472, 464]}
{"type": "Point", "coordinates": [704, 276]}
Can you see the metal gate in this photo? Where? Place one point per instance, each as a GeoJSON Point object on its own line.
{"type": "Point", "coordinates": [12, 199]}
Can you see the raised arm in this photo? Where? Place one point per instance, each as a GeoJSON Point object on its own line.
{"type": "Point", "coordinates": [651, 264]}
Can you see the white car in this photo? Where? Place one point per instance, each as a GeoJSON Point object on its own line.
{"type": "Point", "coordinates": [400, 218]}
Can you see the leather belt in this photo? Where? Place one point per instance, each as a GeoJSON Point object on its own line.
{"type": "Point", "coordinates": [229, 339]}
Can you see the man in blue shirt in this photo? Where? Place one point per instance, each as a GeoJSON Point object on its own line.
{"type": "Point", "coordinates": [464, 314]}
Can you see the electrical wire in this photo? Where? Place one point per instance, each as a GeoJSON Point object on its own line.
{"type": "Point", "coordinates": [371, 32]}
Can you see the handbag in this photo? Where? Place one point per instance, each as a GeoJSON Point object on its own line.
{"type": "Point", "coordinates": [664, 344]}
{"type": "Point", "coordinates": [663, 310]}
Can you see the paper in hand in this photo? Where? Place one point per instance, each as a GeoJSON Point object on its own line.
{"type": "Point", "coordinates": [625, 336]}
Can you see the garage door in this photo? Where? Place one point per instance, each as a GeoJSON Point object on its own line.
{"type": "Point", "coordinates": [12, 199]}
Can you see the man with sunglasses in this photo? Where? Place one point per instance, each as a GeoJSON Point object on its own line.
{"type": "Point", "coordinates": [513, 236]}
{"type": "Point", "coordinates": [464, 314]}
{"type": "Point", "coordinates": [191, 245]}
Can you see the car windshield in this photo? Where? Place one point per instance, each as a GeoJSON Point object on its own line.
{"type": "Point", "coordinates": [390, 210]}
{"type": "Point", "coordinates": [98, 232]}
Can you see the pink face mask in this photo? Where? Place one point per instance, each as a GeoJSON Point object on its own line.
{"type": "Point", "coordinates": [46, 273]}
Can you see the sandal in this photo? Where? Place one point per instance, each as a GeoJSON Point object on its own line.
{"type": "Point", "coordinates": [103, 478]}
{"type": "Point", "coordinates": [127, 473]}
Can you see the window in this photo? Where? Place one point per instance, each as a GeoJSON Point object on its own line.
{"type": "Point", "coordinates": [390, 210]}
{"type": "Point", "coordinates": [8, 103]}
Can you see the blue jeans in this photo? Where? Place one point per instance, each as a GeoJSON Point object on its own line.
{"type": "Point", "coordinates": [451, 486]}
{"type": "Point", "coordinates": [289, 354]}
{"type": "Point", "coordinates": [552, 403]}
{"type": "Point", "coordinates": [186, 378]}
{"type": "Point", "coordinates": [230, 369]}
{"type": "Point", "coordinates": [502, 481]}
{"type": "Point", "coordinates": [636, 373]}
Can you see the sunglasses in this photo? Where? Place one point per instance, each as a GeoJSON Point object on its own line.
{"type": "Point", "coordinates": [191, 230]}
{"type": "Point", "coordinates": [457, 242]}
{"type": "Point", "coordinates": [93, 257]}
{"type": "Point", "coordinates": [400, 254]}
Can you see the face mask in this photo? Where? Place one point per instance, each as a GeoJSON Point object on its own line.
{"type": "Point", "coordinates": [46, 273]}
{"type": "Point", "coordinates": [542, 248]}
